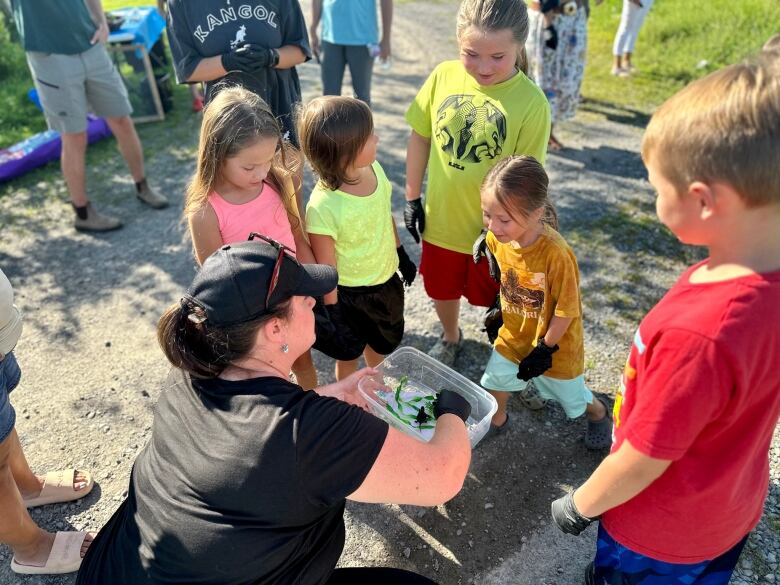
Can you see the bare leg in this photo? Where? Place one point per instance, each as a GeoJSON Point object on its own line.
{"type": "Point", "coordinates": [596, 410]}
{"type": "Point", "coordinates": [627, 61]}
{"type": "Point", "coordinates": [31, 544]}
{"type": "Point", "coordinates": [344, 369]}
{"type": "Point", "coordinates": [503, 399]}
{"type": "Point", "coordinates": [72, 162]}
{"type": "Point", "coordinates": [305, 372]}
{"type": "Point", "coordinates": [554, 144]}
{"type": "Point", "coordinates": [129, 145]}
{"type": "Point", "coordinates": [373, 359]}
{"type": "Point", "coordinates": [449, 313]}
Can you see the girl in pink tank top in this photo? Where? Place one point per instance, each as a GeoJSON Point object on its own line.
{"type": "Point", "coordinates": [244, 183]}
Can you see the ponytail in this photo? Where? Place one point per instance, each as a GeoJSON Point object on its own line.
{"type": "Point", "coordinates": [203, 350]}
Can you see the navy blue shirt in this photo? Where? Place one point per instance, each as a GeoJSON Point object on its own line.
{"type": "Point", "coordinates": [208, 28]}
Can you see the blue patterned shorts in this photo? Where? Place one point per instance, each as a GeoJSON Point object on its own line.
{"type": "Point", "coordinates": [9, 379]}
{"type": "Point", "coordinates": [616, 565]}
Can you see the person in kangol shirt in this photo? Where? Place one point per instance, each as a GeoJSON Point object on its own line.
{"type": "Point", "coordinates": [252, 44]}
{"type": "Point", "coordinates": [245, 477]}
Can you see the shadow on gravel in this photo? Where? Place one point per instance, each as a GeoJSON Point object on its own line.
{"type": "Point", "coordinates": [72, 270]}
{"type": "Point", "coordinates": [616, 113]}
{"type": "Point", "coordinates": [526, 468]}
{"type": "Point", "coordinates": [606, 159]}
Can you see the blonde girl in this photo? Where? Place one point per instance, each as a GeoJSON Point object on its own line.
{"type": "Point", "coordinates": [351, 227]}
{"type": "Point", "coordinates": [468, 115]}
{"type": "Point", "coordinates": [243, 183]}
{"type": "Point", "coordinates": [541, 338]}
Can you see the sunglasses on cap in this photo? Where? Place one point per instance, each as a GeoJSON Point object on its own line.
{"type": "Point", "coordinates": [281, 251]}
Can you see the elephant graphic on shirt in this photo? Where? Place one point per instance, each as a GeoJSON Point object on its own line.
{"type": "Point", "coordinates": [470, 128]}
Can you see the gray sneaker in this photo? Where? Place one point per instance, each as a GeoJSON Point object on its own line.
{"type": "Point", "coordinates": [446, 351]}
{"type": "Point", "coordinates": [96, 221]}
{"type": "Point", "coordinates": [530, 398]}
{"type": "Point", "coordinates": [151, 197]}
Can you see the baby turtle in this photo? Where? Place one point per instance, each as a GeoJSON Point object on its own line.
{"type": "Point", "coordinates": [422, 417]}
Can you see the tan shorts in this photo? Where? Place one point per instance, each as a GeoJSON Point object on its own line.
{"type": "Point", "coordinates": [70, 85]}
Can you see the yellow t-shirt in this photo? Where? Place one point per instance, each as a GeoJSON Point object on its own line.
{"type": "Point", "coordinates": [537, 282]}
{"type": "Point", "coordinates": [362, 229]}
{"type": "Point", "coordinates": [471, 128]}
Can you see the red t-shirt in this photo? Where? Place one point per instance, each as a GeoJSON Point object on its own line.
{"type": "Point", "coordinates": [701, 388]}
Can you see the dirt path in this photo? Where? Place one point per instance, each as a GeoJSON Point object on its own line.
{"type": "Point", "coordinates": [92, 368]}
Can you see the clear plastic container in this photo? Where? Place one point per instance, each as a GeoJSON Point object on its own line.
{"type": "Point", "coordinates": [426, 373]}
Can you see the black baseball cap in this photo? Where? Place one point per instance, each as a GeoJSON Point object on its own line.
{"type": "Point", "coordinates": [233, 284]}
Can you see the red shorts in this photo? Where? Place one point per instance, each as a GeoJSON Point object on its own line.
{"type": "Point", "coordinates": [449, 275]}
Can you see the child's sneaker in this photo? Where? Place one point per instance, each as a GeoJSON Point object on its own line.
{"type": "Point", "coordinates": [530, 398]}
{"type": "Point", "coordinates": [96, 221]}
{"type": "Point", "coordinates": [446, 351]}
{"type": "Point", "coordinates": [599, 432]}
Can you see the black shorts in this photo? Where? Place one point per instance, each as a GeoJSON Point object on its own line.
{"type": "Point", "coordinates": [376, 313]}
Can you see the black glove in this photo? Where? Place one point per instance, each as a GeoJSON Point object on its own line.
{"type": "Point", "coordinates": [449, 402]}
{"type": "Point", "coordinates": [406, 266]}
{"type": "Point", "coordinates": [567, 517]}
{"type": "Point", "coordinates": [550, 37]}
{"type": "Point", "coordinates": [537, 362]}
{"type": "Point", "coordinates": [248, 58]}
{"type": "Point", "coordinates": [493, 320]}
{"type": "Point", "coordinates": [414, 218]}
{"type": "Point", "coordinates": [479, 249]}
{"type": "Point", "coordinates": [335, 337]}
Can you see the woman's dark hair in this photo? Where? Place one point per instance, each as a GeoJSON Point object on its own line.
{"type": "Point", "coordinates": [519, 184]}
{"type": "Point", "coordinates": [332, 131]}
{"type": "Point", "coordinates": [191, 344]}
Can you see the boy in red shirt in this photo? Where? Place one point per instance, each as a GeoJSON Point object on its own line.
{"type": "Point", "coordinates": [688, 473]}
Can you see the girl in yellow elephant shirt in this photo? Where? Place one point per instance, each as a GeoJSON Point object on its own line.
{"type": "Point", "coordinates": [468, 115]}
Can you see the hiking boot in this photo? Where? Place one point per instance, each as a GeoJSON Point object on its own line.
{"type": "Point", "coordinates": [96, 221]}
{"type": "Point", "coordinates": [530, 398]}
{"type": "Point", "coordinates": [151, 197]}
{"type": "Point", "coordinates": [446, 351]}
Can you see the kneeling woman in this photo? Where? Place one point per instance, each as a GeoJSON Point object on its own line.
{"type": "Point", "coordinates": [245, 477]}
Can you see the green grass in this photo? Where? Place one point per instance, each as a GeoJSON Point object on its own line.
{"type": "Point", "coordinates": [679, 42]}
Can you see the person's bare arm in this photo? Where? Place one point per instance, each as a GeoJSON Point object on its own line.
{"type": "Point", "coordinates": [385, 50]}
{"type": "Point", "coordinates": [620, 477]}
{"type": "Point", "coordinates": [290, 56]}
{"type": "Point", "coordinates": [204, 230]}
{"type": "Point", "coordinates": [316, 15]}
{"type": "Point", "coordinates": [418, 150]}
{"type": "Point", "coordinates": [208, 69]}
{"type": "Point", "coordinates": [408, 471]}
{"type": "Point", "coordinates": [556, 329]}
{"type": "Point", "coordinates": [95, 8]}
{"type": "Point", "coordinates": [324, 248]}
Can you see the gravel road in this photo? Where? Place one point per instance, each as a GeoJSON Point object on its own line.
{"type": "Point", "coordinates": [92, 369]}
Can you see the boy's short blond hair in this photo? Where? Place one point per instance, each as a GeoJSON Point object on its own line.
{"type": "Point", "coordinates": [725, 128]}
{"type": "Point", "coordinates": [773, 44]}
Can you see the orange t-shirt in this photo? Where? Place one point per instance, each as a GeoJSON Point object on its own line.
{"type": "Point", "coordinates": [538, 282]}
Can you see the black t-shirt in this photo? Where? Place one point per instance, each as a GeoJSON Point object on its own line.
{"type": "Point", "coordinates": [208, 28]}
{"type": "Point", "coordinates": [241, 482]}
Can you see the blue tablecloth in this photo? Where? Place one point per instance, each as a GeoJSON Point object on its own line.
{"type": "Point", "coordinates": [142, 25]}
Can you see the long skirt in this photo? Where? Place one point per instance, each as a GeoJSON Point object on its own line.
{"type": "Point", "coordinates": [559, 72]}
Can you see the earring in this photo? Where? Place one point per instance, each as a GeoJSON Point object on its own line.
{"type": "Point", "coordinates": [285, 348]}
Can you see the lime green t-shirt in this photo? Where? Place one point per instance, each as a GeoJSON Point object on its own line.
{"type": "Point", "coordinates": [471, 128]}
{"type": "Point", "coordinates": [362, 229]}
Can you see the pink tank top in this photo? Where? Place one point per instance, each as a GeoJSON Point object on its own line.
{"type": "Point", "coordinates": [265, 214]}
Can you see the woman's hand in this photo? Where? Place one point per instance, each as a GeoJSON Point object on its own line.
{"type": "Point", "coordinates": [346, 390]}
